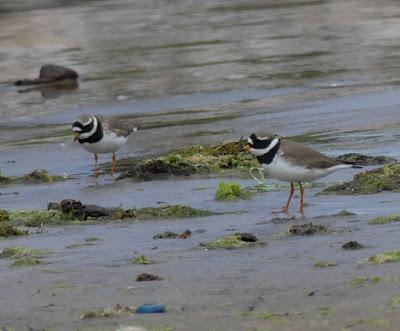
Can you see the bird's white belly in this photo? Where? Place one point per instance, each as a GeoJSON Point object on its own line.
{"type": "Point", "coordinates": [281, 169]}
{"type": "Point", "coordinates": [109, 144]}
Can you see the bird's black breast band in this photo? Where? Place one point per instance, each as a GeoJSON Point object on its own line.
{"type": "Point", "coordinates": [267, 158]}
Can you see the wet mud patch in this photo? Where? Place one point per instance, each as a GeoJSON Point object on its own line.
{"type": "Point", "coordinates": [384, 179]}
{"type": "Point", "coordinates": [233, 241]}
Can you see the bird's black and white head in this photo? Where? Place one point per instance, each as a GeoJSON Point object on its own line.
{"type": "Point", "coordinates": [87, 128]}
{"type": "Point", "coordinates": [260, 146]}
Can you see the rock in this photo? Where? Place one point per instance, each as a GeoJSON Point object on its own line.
{"type": "Point", "coordinates": [81, 211]}
{"type": "Point", "coordinates": [365, 160]}
{"type": "Point", "coordinates": [147, 277]}
{"type": "Point", "coordinates": [248, 237]}
{"type": "Point", "coordinates": [352, 245]}
{"type": "Point", "coordinates": [50, 73]}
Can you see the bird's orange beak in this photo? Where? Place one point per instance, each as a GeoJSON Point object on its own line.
{"type": "Point", "coordinates": [247, 148]}
{"type": "Point", "coordinates": [77, 134]}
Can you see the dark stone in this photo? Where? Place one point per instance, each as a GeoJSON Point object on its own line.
{"type": "Point", "coordinates": [248, 237]}
{"type": "Point", "coordinates": [50, 73]}
{"type": "Point", "coordinates": [351, 245]}
{"type": "Point", "coordinates": [147, 277]}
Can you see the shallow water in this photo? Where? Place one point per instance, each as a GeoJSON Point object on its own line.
{"type": "Point", "coordinates": [216, 62]}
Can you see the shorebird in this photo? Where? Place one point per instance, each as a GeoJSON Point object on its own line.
{"type": "Point", "coordinates": [101, 136]}
{"type": "Point", "coordinates": [292, 162]}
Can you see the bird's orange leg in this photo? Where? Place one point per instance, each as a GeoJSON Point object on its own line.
{"type": "Point", "coordinates": [285, 209]}
{"type": "Point", "coordinates": [113, 164]}
{"type": "Point", "coordinates": [96, 170]}
{"type": "Point", "coordinates": [301, 209]}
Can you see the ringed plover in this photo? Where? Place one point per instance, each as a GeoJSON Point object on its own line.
{"type": "Point", "coordinates": [100, 135]}
{"type": "Point", "coordinates": [292, 162]}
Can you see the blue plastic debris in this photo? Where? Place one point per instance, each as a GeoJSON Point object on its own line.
{"type": "Point", "coordinates": [151, 308]}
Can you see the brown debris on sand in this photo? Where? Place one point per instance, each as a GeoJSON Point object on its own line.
{"type": "Point", "coordinates": [147, 277]}
{"type": "Point", "coordinates": [307, 229]}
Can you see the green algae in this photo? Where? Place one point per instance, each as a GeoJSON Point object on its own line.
{"type": "Point", "coordinates": [232, 241]}
{"type": "Point", "coordinates": [383, 179]}
{"type": "Point", "coordinates": [9, 230]}
{"type": "Point", "coordinates": [142, 259]}
{"type": "Point", "coordinates": [324, 311]}
{"type": "Point", "coordinates": [385, 219]}
{"type": "Point", "coordinates": [385, 257]}
{"type": "Point", "coordinates": [361, 281]}
{"type": "Point", "coordinates": [228, 191]}
{"type": "Point", "coordinates": [33, 218]}
{"type": "Point", "coordinates": [394, 302]}
{"type": "Point", "coordinates": [24, 257]}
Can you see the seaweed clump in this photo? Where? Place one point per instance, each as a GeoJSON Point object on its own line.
{"type": "Point", "coordinates": [389, 256]}
{"type": "Point", "coordinates": [385, 219]}
{"type": "Point", "coordinates": [35, 177]}
{"type": "Point", "coordinates": [227, 191]}
{"type": "Point", "coordinates": [23, 256]}
{"type": "Point", "coordinates": [232, 241]}
{"type": "Point", "coordinates": [33, 218]}
{"type": "Point", "coordinates": [163, 212]}
{"type": "Point", "coordinates": [41, 175]}
{"type": "Point", "coordinates": [9, 230]}
{"type": "Point", "coordinates": [384, 179]}
{"type": "Point", "coordinates": [197, 159]}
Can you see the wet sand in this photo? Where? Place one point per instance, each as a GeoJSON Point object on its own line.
{"type": "Point", "coordinates": [210, 289]}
